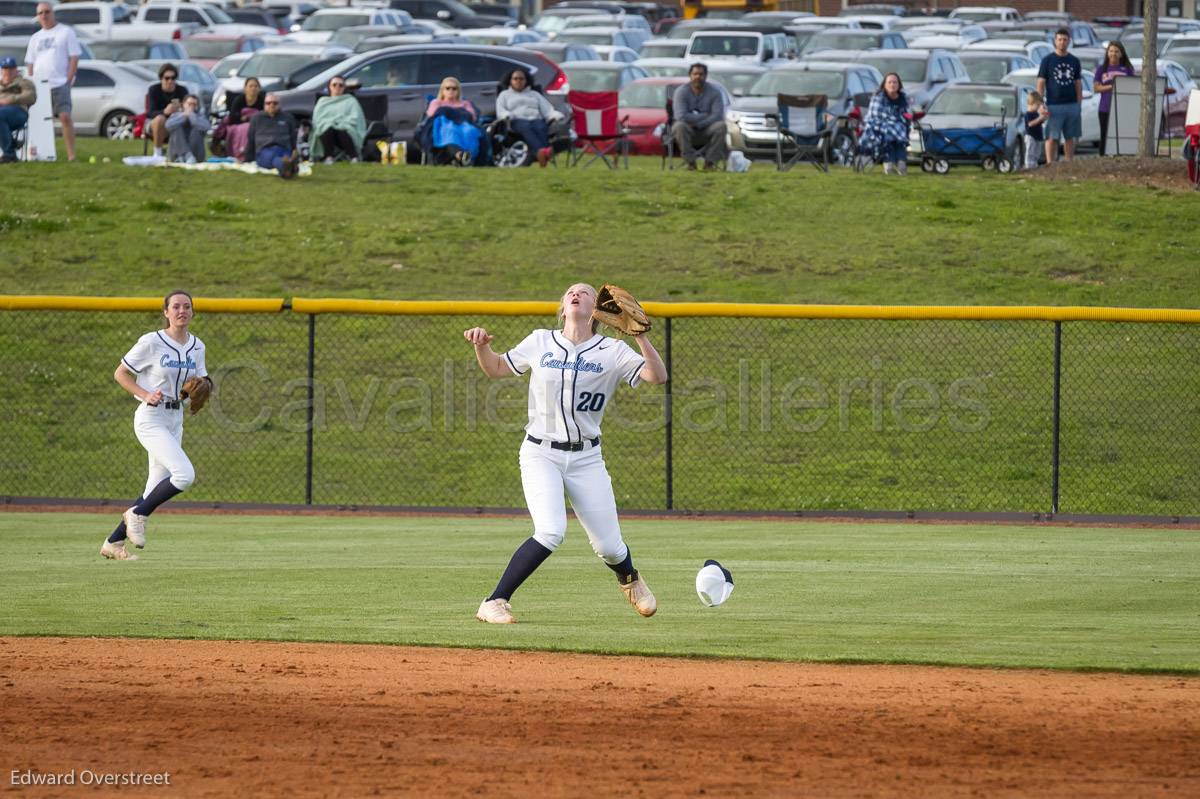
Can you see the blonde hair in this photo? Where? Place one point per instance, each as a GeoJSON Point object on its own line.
{"type": "Point", "coordinates": [562, 303]}
{"type": "Point", "coordinates": [1034, 98]}
{"type": "Point", "coordinates": [448, 82]}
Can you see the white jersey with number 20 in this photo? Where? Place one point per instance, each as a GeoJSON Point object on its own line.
{"type": "Point", "coordinates": [570, 384]}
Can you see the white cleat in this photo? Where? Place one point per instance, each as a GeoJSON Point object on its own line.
{"type": "Point", "coordinates": [638, 594]}
{"type": "Point", "coordinates": [496, 611]}
{"type": "Point", "coordinates": [116, 551]}
{"type": "Point", "coordinates": [135, 528]}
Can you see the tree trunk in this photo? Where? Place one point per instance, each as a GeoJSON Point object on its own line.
{"type": "Point", "coordinates": [1147, 140]}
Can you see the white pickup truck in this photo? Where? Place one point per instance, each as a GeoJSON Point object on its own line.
{"type": "Point", "coordinates": [211, 17]}
{"type": "Point", "coordinates": [109, 21]}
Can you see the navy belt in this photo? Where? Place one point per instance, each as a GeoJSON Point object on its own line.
{"type": "Point", "coordinates": [566, 446]}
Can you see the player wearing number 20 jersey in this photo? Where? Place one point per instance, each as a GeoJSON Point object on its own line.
{"type": "Point", "coordinates": [573, 374]}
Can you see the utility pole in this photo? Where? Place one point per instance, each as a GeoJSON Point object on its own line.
{"type": "Point", "coordinates": [1147, 140]}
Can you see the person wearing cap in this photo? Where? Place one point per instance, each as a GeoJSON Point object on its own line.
{"type": "Point", "coordinates": [53, 53]}
{"type": "Point", "coordinates": [16, 96]}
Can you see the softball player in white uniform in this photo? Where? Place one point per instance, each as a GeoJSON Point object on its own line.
{"type": "Point", "coordinates": [573, 374]}
{"type": "Point", "coordinates": [154, 371]}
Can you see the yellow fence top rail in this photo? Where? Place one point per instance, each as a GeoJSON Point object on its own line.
{"type": "Point", "coordinates": [425, 308]}
{"type": "Point", "coordinates": [302, 305]}
{"type": "Point", "coordinates": [203, 304]}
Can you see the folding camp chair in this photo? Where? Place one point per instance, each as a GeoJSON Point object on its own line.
{"type": "Point", "coordinates": [668, 139]}
{"type": "Point", "coordinates": [800, 122]}
{"type": "Point", "coordinates": [598, 129]}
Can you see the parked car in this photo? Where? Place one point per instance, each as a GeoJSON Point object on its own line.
{"type": "Point", "coordinates": [984, 13]}
{"type": "Point", "coordinates": [924, 73]}
{"type": "Point", "coordinates": [776, 17]}
{"type": "Point", "coordinates": [665, 67]}
{"type": "Point", "coordinates": [601, 76]}
{"type": "Point", "coordinates": [957, 28]}
{"type": "Point", "coordinates": [846, 85]}
{"type": "Point", "coordinates": [625, 38]}
{"type": "Point", "coordinates": [104, 21]}
{"type": "Point", "coordinates": [1082, 34]}
{"type": "Point", "coordinates": [228, 66]}
{"type": "Point", "coordinates": [562, 52]}
{"type": "Point", "coordinates": [554, 19]}
{"type": "Point", "coordinates": [351, 36]}
{"type": "Point", "coordinates": [503, 37]}
{"type": "Point", "coordinates": [214, 19]}
{"type": "Point", "coordinates": [450, 12]}
{"type": "Point", "coordinates": [664, 48]}
{"type": "Point", "coordinates": [320, 27]}
{"type": "Point", "coordinates": [1189, 59]}
{"type": "Point", "coordinates": [736, 77]}
{"type": "Point", "coordinates": [17, 46]}
{"type": "Point", "coordinates": [990, 66]}
{"type": "Point", "coordinates": [873, 9]}
{"type": "Point", "coordinates": [399, 39]}
{"type": "Point", "coordinates": [622, 21]}
{"type": "Point", "coordinates": [18, 10]}
{"type": "Point", "coordinates": [854, 40]}
{"type": "Point", "coordinates": [407, 75]}
{"type": "Point", "coordinates": [106, 97]}
{"type": "Point", "coordinates": [207, 49]}
{"type": "Point", "coordinates": [975, 105]}
{"type": "Point", "coordinates": [135, 49]}
{"type": "Point", "coordinates": [1035, 50]}
{"type": "Point", "coordinates": [271, 65]}
{"type": "Point", "coordinates": [1179, 90]}
{"type": "Point", "coordinates": [1180, 41]}
{"type": "Point", "coordinates": [643, 104]}
{"type": "Point", "coordinates": [259, 15]}
{"type": "Point", "coordinates": [687, 27]}
{"type": "Point", "coordinates": [1089, 112]}
{"type": "Point", "coordinates": [739, 45]}
{"type": "Point", "coordinates": [618, 55]}
{"type": "Point", "coordinates": [198, 80]}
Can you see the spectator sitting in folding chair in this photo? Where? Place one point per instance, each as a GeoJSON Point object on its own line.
{"type": "Point", "coordinates": [162, 100]}
{"type": "Point", "coordinates": [699, 128]}
{"type": "Point", "coordinates": [16, 96]}
{"type": "Point", "coordinates": [528, 112]}
{"type": "Point", "coordinates": [229, 138]}
{"type": "Point", "coordinates": [885, 129]}
{"type": "Point", "coordinates": [461, 145]}
{"type": "Point", "coordinates": [339, 126]}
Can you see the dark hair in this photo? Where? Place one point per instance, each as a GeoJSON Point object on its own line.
{"type": "Point", "coordinates": [1125, 62]}
{"type": "Point", "coordinates": [890, 74]}
{"type": "Point", "coordinates": [191, 97]}
{"type": "Point", "coordinates": [168, 67]}
{"type": "Point", "coordinates": [175, 293]}
{"type": "Point", "coordinates": [507, 79]}
{"type": "Point", "coordinates": [342, 78]}
{"type": "Point", "coordinates": [703, 68]}
{"type": "Point", "coordinates": [1062, 32]}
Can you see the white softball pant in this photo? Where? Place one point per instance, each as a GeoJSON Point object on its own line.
{"type": "Point", "coordinates": [546, 473]}
{"type": "Point", "coordinates": [160, 431]}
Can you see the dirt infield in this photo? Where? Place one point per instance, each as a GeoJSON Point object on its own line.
{"type": "Point", "coordinates": [239, 718]}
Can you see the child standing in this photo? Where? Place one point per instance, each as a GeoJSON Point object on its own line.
{"type": "Point", "coordinates": [1035, 114]}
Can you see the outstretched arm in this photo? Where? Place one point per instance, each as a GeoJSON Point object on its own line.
{"type": "Point", "coordinates": [490, 362]}
{"type": "Point", "coordinates": [655, 371]}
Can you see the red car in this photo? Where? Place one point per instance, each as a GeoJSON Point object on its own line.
{"type": "Point", "coordinates": [644, 102]}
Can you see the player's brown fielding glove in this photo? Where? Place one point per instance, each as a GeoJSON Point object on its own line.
{"type": "Point", "coordinates": [198, 388]}
{"type": "Point", "coordinates": [617, 308]}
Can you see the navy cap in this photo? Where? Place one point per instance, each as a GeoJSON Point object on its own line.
{"type": "Point", "coordinates": [8, 62]}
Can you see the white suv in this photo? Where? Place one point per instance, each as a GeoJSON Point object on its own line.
{"type": "Point", "coordinates": [979, 14]}
{"type": "Point", "coordinates": [739, 45]}
{"type": "Point", "coordinates": [214, 19]}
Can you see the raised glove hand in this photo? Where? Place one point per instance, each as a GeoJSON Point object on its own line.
{"type": "Point", "coordinates": [617, 308]}
{"type": "Point", "coordinates": [198, 389]}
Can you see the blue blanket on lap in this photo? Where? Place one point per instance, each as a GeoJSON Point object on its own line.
{"type": "Point", "coordinates": [454, 126]}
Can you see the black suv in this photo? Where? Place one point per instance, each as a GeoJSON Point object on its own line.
{"type": "Point", "coordinates": [402, 79]}
{"type": "Point", "coordinates": [450, 12]}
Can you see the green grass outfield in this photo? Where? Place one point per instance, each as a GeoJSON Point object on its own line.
{"type": "Point", "coordinates": [1075, 598]}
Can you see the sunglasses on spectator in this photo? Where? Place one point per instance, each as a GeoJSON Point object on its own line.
{"type": "Point", "coordinates": [336, 85]}
{"type": "Point", "coordinates": [43, 13]}
{"type": "Point", "coordinates": [169, 77]}
{"type": "Point", "coordinates": [271, 102]}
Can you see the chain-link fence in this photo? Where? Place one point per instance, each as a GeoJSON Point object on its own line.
{"type": "Point", "coordinates": [760, 414]}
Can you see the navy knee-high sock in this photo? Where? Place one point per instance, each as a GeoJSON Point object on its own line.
{"type": "Point", "coordinates": [119, 533]}
{"type": "Point", "coordinates": [626, 574]}
{"type": "Point", "coordinates": [524, 562]}
{"type": "Point", "coordinates": [161, 493]}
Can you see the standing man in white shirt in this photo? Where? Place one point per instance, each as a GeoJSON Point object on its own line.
{"type": "Point", "coordinates": [53, 53]}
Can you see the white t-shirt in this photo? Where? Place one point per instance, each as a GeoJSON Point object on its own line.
{"type": "Point", "coordinates": [50, 51]}
{"type": "Point", "coordinates": [571, 385]}
{"type": "Point", "coordinates": [163, 364]}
